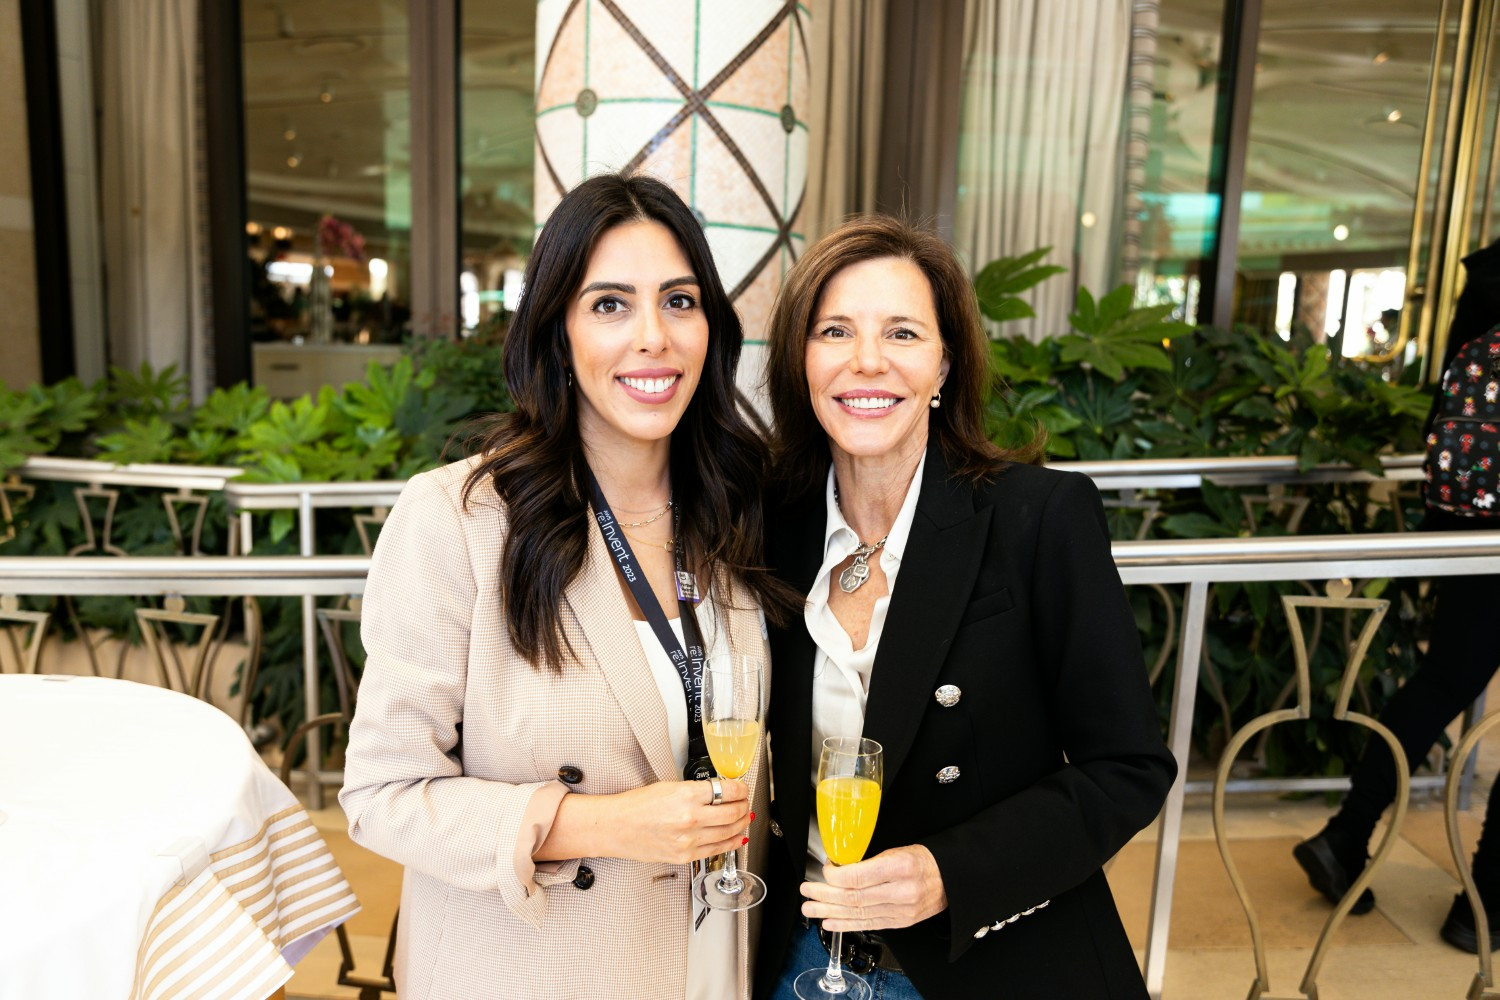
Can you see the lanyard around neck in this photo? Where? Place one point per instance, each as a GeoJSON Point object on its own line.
{"type": "Point", "coordinates": [689, 661]}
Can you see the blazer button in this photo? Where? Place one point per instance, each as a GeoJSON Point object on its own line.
{"type": "Point", "coordinates": [948, 695]}
{"type": "Point", "coordinates": [585, 877]}
{"type": "Point", "coordinates": [569, 775]}
{"type": "Point", "coordinates": [948, 775]}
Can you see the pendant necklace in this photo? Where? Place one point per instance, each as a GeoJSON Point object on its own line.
{"type": "Point", "coordinates": [854, 577]}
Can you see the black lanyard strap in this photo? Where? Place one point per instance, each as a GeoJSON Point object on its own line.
{"type": "Point", "coordinates": [689, 661]}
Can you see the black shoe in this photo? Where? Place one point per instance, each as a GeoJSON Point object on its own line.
{"type": "Point", "coordinates": [1328, 874]}
{"type": "Point", "coordinates": [1459, 930]}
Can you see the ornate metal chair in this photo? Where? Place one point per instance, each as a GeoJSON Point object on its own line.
{"type": "Point", "coordinates": [330, 623]}
{"type": "Point", "coordinates": [1339, 599]}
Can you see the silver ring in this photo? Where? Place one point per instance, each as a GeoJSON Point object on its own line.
{"type": "Point", "coordinates": [718, 791]}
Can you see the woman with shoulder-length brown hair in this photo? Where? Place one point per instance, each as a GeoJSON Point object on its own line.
{"type": "Point", "coordinates": [964, 613]}
{"type": "Point", "coordinates": [536, 620]}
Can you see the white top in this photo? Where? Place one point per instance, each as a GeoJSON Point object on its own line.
{"type": "Point", "coordinates": [841, 673]}
{"type": "Point", "coordinates": [711, 950]}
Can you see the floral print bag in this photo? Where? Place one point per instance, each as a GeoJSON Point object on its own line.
{"type": "Point", "coordinates": [1463, 443]}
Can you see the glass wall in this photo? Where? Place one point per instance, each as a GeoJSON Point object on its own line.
{"type": "Point", "coordinates": [328, 170]}
{"type": "Point", "coordinates": [497, 74]}
{"type": "Point", "coordinates": [1178, 213]}
{"type": "Point", "coordinates": [1332, 166]}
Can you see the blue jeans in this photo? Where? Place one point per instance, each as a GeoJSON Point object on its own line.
{"type": "Point", "coordinates": [807, 952]}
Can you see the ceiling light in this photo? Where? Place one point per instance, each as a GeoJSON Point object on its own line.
{"type": "Point", "coordinates": [1341, 232]}
{"type": "Point", "coordinates": [282, 233]}
{"type": "Point", "coordinates": [252, 229]}
{"type": "Point", "coordinates": [289, 132]}
{"type": "Point", "coordinates": [1393, 115]}
{"type": "Point", "coordinates": [294, 161]}
{"type": "Point", "coordinates": [326, 94]}
{"type": "Point", "coordinates": [1088, 219]}
{"type": "Point", "coordinates": [1380, 56]}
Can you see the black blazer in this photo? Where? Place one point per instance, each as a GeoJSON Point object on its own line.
{"type": "Point", "coordinates": [1007, 591]}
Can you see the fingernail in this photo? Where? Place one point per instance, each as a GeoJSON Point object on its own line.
{"type": "Point", "coordinates": [744, 841]}
{"type": "Point", "coordinates": [752, 817]}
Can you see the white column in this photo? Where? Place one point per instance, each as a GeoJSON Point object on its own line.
{"type": "Point", "coordinates": [711, 98]}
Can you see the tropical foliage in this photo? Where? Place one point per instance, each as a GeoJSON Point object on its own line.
{"type": "Point", "coordinates": [1121, 383]}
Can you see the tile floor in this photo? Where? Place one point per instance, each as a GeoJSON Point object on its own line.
{"type": "Point", "coordinates": [1393, 953]}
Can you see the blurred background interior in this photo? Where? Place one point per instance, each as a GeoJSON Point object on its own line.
{"type": "Point", "coordinates": [215, 184]}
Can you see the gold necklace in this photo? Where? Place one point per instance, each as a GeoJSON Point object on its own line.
{"type": "Point", "coordinates": [667, 545]}
{"type": "Point", "coordinates": [654, 517]}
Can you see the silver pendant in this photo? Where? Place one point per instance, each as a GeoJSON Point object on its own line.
{"type": "Point", "coordinates": [854, 577]}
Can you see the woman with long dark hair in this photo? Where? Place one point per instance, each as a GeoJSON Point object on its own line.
{"type": "Point", "coordinates": [533, 619]}
{"type": "Point", "coordinates": [963, 612]}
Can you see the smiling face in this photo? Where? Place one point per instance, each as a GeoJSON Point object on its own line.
{"type": "Point", "coordinates": [637, 337]}
{"type": "Point", "coordinates": [874, 360]}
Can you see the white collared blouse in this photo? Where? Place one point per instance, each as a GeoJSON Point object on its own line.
{"type": "Point", "coordinates": [841, 673]}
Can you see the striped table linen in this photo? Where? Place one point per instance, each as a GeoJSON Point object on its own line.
{"type": "Point", "coordinates": [147, 852]}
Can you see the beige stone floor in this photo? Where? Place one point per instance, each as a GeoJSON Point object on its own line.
{"type": "Point", "coordinates": [1393, 953]}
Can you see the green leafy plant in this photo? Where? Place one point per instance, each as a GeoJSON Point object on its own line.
{"type": "Point", "coordinates": [1126, 382]}
{"type": "Point", "coordinates": [396, 423]}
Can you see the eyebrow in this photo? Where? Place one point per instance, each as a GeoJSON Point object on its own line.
{"type": "Point", "coordinates": [888, 319]}
{"type": "Point", "coordinates": [616, 286]}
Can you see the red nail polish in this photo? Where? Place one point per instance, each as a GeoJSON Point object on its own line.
{"type": "Point", "coordinates": [744, 841]}
{"type": "Point", "coordinates": [752, 817]}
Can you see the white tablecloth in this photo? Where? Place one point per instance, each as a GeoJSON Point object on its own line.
{"type": "Point", "coordinates": [146, 851]}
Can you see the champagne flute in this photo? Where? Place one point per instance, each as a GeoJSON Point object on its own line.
{"type": "Point", "coordinates": [732, 700]}
{"type": "Point", "coordinates": [850, 772]}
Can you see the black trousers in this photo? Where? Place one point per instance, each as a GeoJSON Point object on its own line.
{"type": "Point", "coordinates": [1461, 657]}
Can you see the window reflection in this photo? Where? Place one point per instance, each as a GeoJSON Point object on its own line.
{"type": "Point", "coordinates": [1178, 215]}
{"type": "Point", "coordinates": [1331, 169]}
{"type": "Point", "coordinates": [327, 162]}
{"type": "Point", "coordinates": [497, 74]}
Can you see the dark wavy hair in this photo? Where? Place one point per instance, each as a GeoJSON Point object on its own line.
{"type": "Point", "coordinates": [534, 459]}
{"type": "Point", "coordinates": [800, 445]}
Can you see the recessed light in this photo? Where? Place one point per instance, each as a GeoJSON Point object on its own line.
{"type": "Point", "coordinates": [1341, 233]}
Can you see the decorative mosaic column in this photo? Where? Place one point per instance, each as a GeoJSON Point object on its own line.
{"type": "Point", "coordinates": [710, 97]}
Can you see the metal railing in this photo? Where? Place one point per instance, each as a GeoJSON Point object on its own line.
{"type": "Point", "coordinates": [1199, 563]}
{"type": "Point", "coordinates": [166, 477]}
{"type": "Point", "coordinates": [1255, 470]}
{"type": "Point", "coordinates": [306, 498]}
{"type": "Point", "coordinates": [1193, 563]}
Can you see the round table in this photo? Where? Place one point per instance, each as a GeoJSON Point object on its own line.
{"type": "Point", "coordinates": [146, 851]}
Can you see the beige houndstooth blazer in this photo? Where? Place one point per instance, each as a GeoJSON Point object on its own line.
{"type": "Point", "coordinates": [453, 761]}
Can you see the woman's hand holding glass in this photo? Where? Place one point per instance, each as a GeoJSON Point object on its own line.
{"type": "Point", "coordinates": [895, 888]}
{"type": "Point", "coordinates": [851, 773]}
{"type": "Point", "coordinates": [733, 700]}
{"type": "Point", "coordinates": [665, 822]}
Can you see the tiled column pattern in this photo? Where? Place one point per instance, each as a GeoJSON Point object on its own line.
{"type": "Point", "coordinates": [711, 97]}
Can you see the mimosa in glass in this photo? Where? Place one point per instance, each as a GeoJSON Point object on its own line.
{"type": "Point", "coordinates": [850, 772]}
{"type": "Point", "coordinates": [732, 701]}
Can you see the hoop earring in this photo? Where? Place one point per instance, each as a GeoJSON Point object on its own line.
{"type": "Point", "coordinates": [937, 400]}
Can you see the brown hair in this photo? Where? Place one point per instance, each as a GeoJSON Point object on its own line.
{"type": "Point", "coordinates": [800, 443]}
{"type": "Point", "coordinates": [534, 459]}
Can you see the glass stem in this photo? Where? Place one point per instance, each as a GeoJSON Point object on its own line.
{"type": "Point", "coordinates": [730, 879]}
{"type": "Point", "coordinates": [833, 980]}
